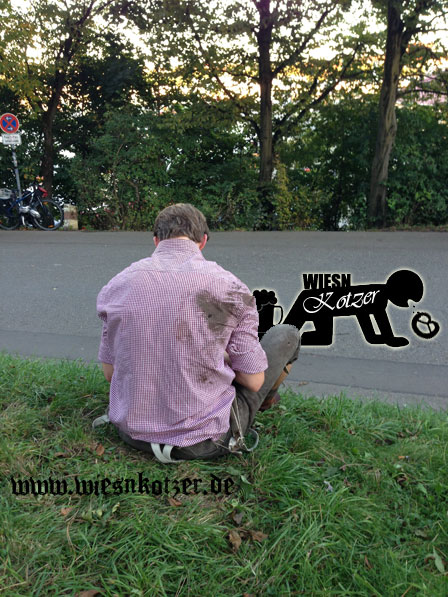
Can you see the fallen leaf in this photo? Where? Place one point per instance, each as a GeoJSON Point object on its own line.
{"type": "Point", "coordinates": [329, 486]}
{"type": "Point", "coordinates": [438, 562]}
{"type": "Point", "coordinates": [257, 535]}
{"type": "Point", "coordinates": [100, 449]}
{"type": "Point", "coordinates": [235, 540]}
{"type": "Point", "coordinates": [421, 533]}
{"type": "Point", "coordinates": [343, 467]}
{"type": "Point", "coordinates": [61, 455]}
{"type": "Point", "coordinates": [65, 511]}
{"type": "Point", "coordinates": [237, 517]}
{"type": "Point", "coordinates": [89, 593]}
{"type": "Point", "coordinates": [367, 563]}
{"type": "Point", "coordinates": [403, 458]}
{"type": "Point", "coordinates": [174, 502]}
{"type": "Point", "coordinates": [87, 516]}
{"type": "Point", "coordinates": [351, 431]}
{"type": "Point", "coordinates": [347, 482]}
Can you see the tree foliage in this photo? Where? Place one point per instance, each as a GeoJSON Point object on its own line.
{"type": "Point", "coordinates": [262, 56]}
{"type": "Point", "coordinates": [141, 162]}
{"type": "Point", "coordinates": [40, 53]}
{"type": "Point", "coordinates": [260, 112]}
{"type": "Point", "coordinates": [330, 162]}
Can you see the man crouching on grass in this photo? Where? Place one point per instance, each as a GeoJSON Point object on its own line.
{"type": "Point", "coordinates": [180, 348]}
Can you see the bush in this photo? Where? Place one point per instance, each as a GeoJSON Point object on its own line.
{"type": "Point", "coordinates": [297, 208]}
{"type": "Point", "coordinates": [141, 163]}
{"type": "Point", "coordinates": [328, 160]}
{"type": "Point", "coordinates": [417, 190]}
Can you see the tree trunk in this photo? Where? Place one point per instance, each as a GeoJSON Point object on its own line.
{"type": "Point", "coordinates": [47, 162]}
{"type": "Point", "coordinates": [264, 37]}
{"type": "Point", "coordinates": [67, 49]}
{"type": "Point", "coordinates": [387, 123]}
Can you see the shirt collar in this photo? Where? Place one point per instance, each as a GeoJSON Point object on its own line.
{"type": "Point", "coordinates": [182, 246]}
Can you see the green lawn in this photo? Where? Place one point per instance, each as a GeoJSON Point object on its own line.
{"type": "Point", "coordinates": [340, 498]}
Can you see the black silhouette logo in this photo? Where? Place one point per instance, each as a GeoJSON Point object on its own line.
{"type": "Point", "coordinates": [430, 328]}
{"type": "Point", "coordinates": [326, 296]}
{"type": "Point", "coordinates": [266, 303]}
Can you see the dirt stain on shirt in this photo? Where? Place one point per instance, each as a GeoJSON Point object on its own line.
{"type": "Point", "coordinates": [183, 332]}
{"type": "Point", "coordinates": [248, 299]}
{"type": "Point", "coordinates": [219, 313]}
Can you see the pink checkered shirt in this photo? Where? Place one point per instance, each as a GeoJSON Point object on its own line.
{"type": "Point", "coordinates": [167, 321]}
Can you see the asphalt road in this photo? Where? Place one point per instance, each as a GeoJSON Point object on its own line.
{"type": "Point", "coordinates": [50, 280]}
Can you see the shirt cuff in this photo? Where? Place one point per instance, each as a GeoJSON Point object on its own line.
{"type": "Point", "coordinates": [254, 361]}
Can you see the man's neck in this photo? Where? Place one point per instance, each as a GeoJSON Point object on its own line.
{"type": "Point", "coordinates": [200, 245]}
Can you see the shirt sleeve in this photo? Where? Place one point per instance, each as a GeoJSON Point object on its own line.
{"type": "Point", "coordinates": [244, 348]}
{"type": "Point", "coordinates": [104, 353]}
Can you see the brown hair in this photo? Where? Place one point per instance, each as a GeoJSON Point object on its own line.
{"type": "Point", "coordinates": [181, 219]}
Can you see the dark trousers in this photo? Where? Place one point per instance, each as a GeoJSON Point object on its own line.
{"type": "Point", "coordinates": [281, 344]}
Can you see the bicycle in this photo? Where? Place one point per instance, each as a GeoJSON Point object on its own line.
{"type": "Point", "coordinates": [36, 210]}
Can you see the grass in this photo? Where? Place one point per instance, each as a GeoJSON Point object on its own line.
{"type": "Point", "coordinates": [340, 498]}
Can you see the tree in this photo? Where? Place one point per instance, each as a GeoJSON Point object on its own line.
{"type": "Point", "coordinates": [58, 31]}
{"type": "Point", "coordinates": [262, 56]}
{"type": "Point", "coordinates": [405, 20]}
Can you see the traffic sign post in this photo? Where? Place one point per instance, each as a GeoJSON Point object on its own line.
{"type": "Point", "coordinates": [9, 124]}
{"type": "Point", "coordinates": [16, 169]}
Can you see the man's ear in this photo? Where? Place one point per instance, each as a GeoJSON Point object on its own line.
{"type": "Point", "coordinates": [156, 240]}
{"type": "Point", "coordinates": [203, 241]}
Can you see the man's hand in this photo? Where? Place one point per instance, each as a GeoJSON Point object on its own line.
{"type": "Point", "coordinates": [108, 371]}
{"type": "Point", "coordinates": [226, 358]}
